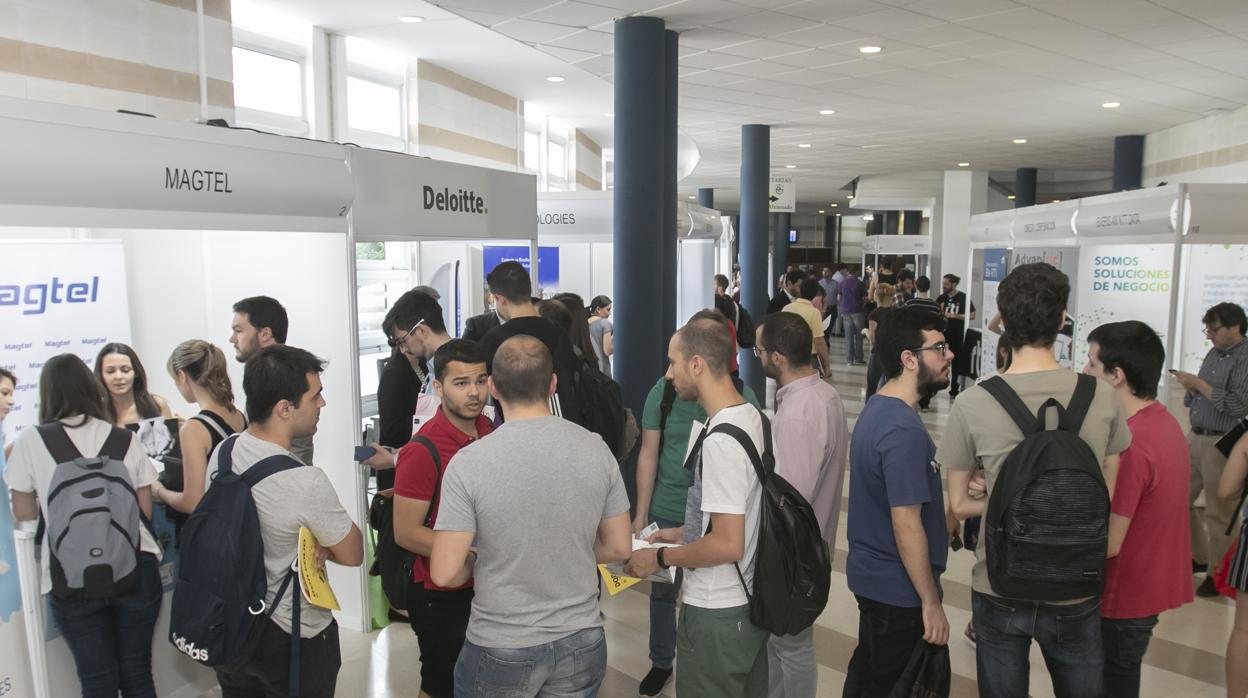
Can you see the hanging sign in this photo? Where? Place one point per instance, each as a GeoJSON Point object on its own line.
{"type": "Point", "coordinates": [781, 195]}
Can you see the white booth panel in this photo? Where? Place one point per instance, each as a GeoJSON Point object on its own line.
{"type": "Point", "coordinates": [1211, 274]}
{"type": "Point", "coordinates": [992, 227]}
{"type": "Point", "coordinates": [1045, 222]}
{"type": "Point", "coordinates": [1139, 213]}
{"type": "Point", "coordinates": [696, 282]}
{"type": "Point", "coordinates": [604, 268]}
{"type": "Point", "coordinates": [576, 274]}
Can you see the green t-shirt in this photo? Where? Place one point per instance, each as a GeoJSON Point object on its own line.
{"type": "Point", "coordinates": [672, 483]}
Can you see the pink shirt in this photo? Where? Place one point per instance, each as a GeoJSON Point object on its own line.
{"type": "Point", "coordinates": [811, 440]}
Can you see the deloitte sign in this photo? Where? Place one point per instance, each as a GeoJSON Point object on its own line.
{"type": "Point", "coordinates": [460, 202]}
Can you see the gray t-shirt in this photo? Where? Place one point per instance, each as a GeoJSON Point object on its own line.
{"type": "Point", "coordinates": [534, 492]}
{"type": "Point", "coordinates": [284, 502]}
{"type": "Point", "coordinates": [301, 446]}
{"type": "Point", "coordinates": [598, 329]}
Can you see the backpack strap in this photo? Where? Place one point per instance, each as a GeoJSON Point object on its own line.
{"type": "Point", "coordinates": [763, 466]}
{"type": "Point", "coordinates": [117, 444]}
{"type": "Point", "coordinates": [665, 409]}
{"type": "Point", "coordinates": [225, 455]}
{"type": "Point", "coordinates": [296, 629]}
{"type": "Point", "coordinates": [1012, 403]}
{"type": "Point", "coordinates": [56, 440]}
{"type": "Point", "coordinates": [269, 466]}
{"type": "Point", "coordinates": [437, 483]}
{"type": "Point", "coordinates": [1077, 410]}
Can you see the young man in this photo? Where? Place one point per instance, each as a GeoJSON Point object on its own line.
{"type": "Point", "coordinates": [905, 287]}
{"type": "Point", "coordinates": [476, 327]}
{"type": "Point", "coordinates": [513, 301]}
{"type": "Point", "coordinates": [719, 651]}
{"type": "Point", "coordinates": [952, 303]}
{"type": "Point", "coordinates": [811, 438]}
{"type": "Point", "coordinates": [662, 492]}
{"type": "Point", "coordinates": [439, 615]}
{"type": "Point", "coordinates": [283, 388]}
{"type": "Point", "coordinates": [808, 290]}
{"type": "Point", "coordinates": [1218, 399]}
{"type": "Point", "coordinates": [1032, 300]}
{"type": "Point", "coordinates": [788, 291]}
{"type": "Point", "coordinates": [414, 325]}
{"type": "Point", "coordinates": [544, 500]}
{"type": "Point", "coordinates": [897, 544]}
{"type": "Point", "coordinates": [1149, 543]}
{"type": "Point", "coordinates": [260, 321]}
{"type": "Point", "coordinates": [851, 299]}
{"type": "Point", "coordinates": [923, 295]}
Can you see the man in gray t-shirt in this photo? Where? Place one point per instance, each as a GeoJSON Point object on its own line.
{"type": "Point", "coordinates": [545, 502]}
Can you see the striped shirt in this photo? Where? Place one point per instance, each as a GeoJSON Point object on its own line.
{"type": "Point", "coordinates": [928, 303]}
{"type": "Point", "coordinates": [1227, 372]}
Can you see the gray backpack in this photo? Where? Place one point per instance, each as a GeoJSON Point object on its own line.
{"type": "Point", "coordinates": [93, 518]}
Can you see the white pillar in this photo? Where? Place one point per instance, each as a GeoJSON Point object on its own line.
{"type": "Point", "coordinates": [965, 194]}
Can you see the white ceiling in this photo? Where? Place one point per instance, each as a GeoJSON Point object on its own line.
{"type": "Point", "coordinates": [957, 81]}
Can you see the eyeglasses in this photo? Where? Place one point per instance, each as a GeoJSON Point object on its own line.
{"type": "Point", "coordinates": [1211, 331]}
{"type": "Point", "coordinates": [758, 351]}
{"type": "Point", "coordinates": [394, 342]}
{"type": "Point", "coordinates": [941, 347]}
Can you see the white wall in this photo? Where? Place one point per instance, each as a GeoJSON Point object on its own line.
{"type": "Point", "coordinates": [576, 269]}
{"type": "Point", "coordinates": [1213, 149]}
{"type": "Point", "coordinates": [965, 194]}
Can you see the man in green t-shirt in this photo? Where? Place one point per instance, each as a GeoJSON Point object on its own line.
{"type": "Point", "coordinates": [662, 485]}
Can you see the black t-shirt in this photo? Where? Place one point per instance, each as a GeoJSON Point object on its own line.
{"type": "Point", "coordinates": [398, 389]}
{"type": "Point", "coordinates": [560, 348]}
{"type": "Point", "coordinates": [877, 315]}
{"type": "Point", "coordinates": [954, 329]}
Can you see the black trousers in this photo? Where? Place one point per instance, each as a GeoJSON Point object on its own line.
{"type": "Point", "coordinates": [267, 675]}
{"type": "Point", "coordinates": [887, 636]}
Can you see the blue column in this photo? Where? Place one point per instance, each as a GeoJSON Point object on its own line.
{"type": "Point", "coordinates": [1024, 187]}
{"type": "Point", "coordinates": [639, 223]}
{"type": "Point", "coordinates": [671, 91]}
{"type": "Point", "coordinates": [706, 197]}
{"type": "Point", "coordinates": [829, 234]}
{"type": "Point", "coordinates": [1128, 162]}
{"type": "Point", "coordinates": [755, 171]}
{"type": "Point", "coordinates": [780, 224]}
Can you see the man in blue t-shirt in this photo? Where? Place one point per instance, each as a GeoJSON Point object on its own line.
{"type": "Point", "coordinates": [897, 545]}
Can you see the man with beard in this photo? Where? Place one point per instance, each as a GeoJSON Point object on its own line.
{"type": "Point", "coordinates": [438, 615]}
{"type": "Point", "coordinates": [897, 545]}
{"type": "Point", "coordinates": [811, 437]}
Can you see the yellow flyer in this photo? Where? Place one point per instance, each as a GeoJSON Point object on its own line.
{"type": "Point", "coordinates": [616, 582]}
{"type": "Point", "coordinates": [313, 579]}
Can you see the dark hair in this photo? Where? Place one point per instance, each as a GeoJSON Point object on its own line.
{"type": "Point", "coordinates": [905, 274]}
{"type": "Point", "coordinates": [6, 373]}
{"type": "Point", "coordinates": [522, 369]}
{"type": "Point", "coordinates": [1032, 299]}
{"type": "Point", "coordinates": [262, 312]}
{"type": "Point", "coordinates": [923, 284]}
{"type": "Point", "coordinates": [789, 335]}
{"type": "Point", "coordinates": [67, 388]}
{"type": "Point", "coordinates": [709, 339]}
{"type": "Point", "coordinates": [598, 303]}
{"type": "Point", "coordinates": [954, 278]}
{"type": "Point", "coordinates": [558, 314]}
{"type": "Point", "coordinates": [143, 400]}
{"type": "Point", "coordinates": [901, 331]}
{"type": "Point", "coordinates": [810, 289]}
{"type": "Point", "coordinates": [511, 281]}
{"type": "Point", "coordinates": [277, 373]}
{"type": "Point", "coordinates": [465, 351]}
{"type": "Point", "coordinates": [793, 277]}
{"type": "Point", "coordinates": [579, 331]}
{"type": "Point", "coordinates": [1228, 315]}
{"type": "Point", "coordinates": [411, 308]}
{"type": "Point", "coordinates": [889, 261]}
{"type": "Point", "coordinates": [1136, 349]}
{"type": "Point", "coordinates": [721, 281]}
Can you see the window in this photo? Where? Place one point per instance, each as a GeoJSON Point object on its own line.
{"type": "Point", "coordinates": [267, 83]}
{"type": "Point", "coordinates": [374, 107]}
{"type": "Point", "coordinates": [532, 151]}
{"type": "Point", "coordinates": [556, 165]}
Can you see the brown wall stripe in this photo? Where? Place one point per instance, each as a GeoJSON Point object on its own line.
{"type": "Point", "coordinates": [588, 142]}
{"type": "Point", "coordinates": [49, 63]}
{"type": "Point", "coordinates": [1210, 158]}
{"type": "Point", "coordinates": [446, 78]}
{"type": "Point", "coordinates": [586, 181]}
{"type": "Point", "coordinates": [460, 143]}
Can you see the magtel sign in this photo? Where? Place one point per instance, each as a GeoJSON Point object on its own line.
{"type": "Point", "coordinates": [460, 202]}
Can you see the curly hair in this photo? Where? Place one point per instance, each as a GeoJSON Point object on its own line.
{"type": "Point", "coordinates": [1032, 299]}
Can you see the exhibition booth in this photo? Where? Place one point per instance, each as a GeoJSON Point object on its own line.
{"type": "Point", "coordinates": [150, 230]}
{"type": "Point", "coordinates": [912, 252]}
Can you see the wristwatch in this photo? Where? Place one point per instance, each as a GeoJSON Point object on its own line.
{"type": "Point", "coordinates": [659, 558]}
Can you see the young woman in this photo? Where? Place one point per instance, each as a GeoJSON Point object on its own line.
{"type": "Point", "coordinates": [129, 404]}
{"type": "Point", "coordinates": [199, 371]}
{"type": "Point", "coordinates": [579, 334]}
{"type": "Point", "coordinates": [110, 639]}
{"type": "Point", "coordinates": [884, 295]}
{"type": "Point", "coordinates": [8, 384]}
{"type": "Point", "coordinates": [601, 331]}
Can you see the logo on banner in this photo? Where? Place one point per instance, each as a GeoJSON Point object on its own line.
{"type": "Point", "coordinates": [34, 298]}
{"type": "Point", "coordinates": [460, 202]}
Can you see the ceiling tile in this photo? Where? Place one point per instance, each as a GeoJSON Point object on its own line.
{"type": "Point", "coordinates": [710, 59]}
{"type": "Point", "coordinates": [761, 48]}
{"type": "Point", "coordinates": [685, 14]}
{"type": "Point", "coordinates": [586, 40]}
{"type": "Point", "coordinates": [957, 10]}
{"type": "Point", "coordinates": [1206, 45]}
{"type": "Point", "coordinates": [574, 14]}
{"type": "Point", "coordinates": [530, 31]}
{"type": "Point", "coordinates": [825, 11]}
{"type": "Point", "coordinates": [765, 24]}
{"type": "Point", "coordinates": [566, 54]}
{"type": "Point", "coordinates": [708, 38]}
{"type": "Point", "coordinates": [888, 21]}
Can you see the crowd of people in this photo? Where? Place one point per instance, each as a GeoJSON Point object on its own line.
{"type": "Point", "coordinates": [506, 499]}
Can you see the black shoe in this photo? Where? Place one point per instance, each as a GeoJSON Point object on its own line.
{"type": "Point", "coordinates": [1207, 589]}
{"type": "Point", "coordinates": [654, 682]}
{"type": "Point", "coordinates": [1199, 567]}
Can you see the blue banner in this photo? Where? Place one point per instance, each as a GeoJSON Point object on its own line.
{"type": "Point", "coordinates": [547, 261]}
{"type": "Point", "coordinates": [996, 264]}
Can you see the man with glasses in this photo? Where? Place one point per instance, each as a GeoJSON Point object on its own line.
{"type": "Point", "coordinates": [1218, 399]}
{"type": "Point", "coordinates": [897, 546]}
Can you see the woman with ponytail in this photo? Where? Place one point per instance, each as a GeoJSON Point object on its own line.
{"type": "Point", "coordinates": [199, 371]}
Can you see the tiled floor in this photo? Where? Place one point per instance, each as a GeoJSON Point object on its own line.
{"type": "Point", "coordinates": [1184, 660]}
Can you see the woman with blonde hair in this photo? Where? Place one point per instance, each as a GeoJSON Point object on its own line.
{"type": "Point", "coordinates": [199, 371]}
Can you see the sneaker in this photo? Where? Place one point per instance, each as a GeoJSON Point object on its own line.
{"type": "Point", "coordinates": [1199, 567]}
{"type": "Point", "coordinates": [1207, 589]}
{"type": "Point", "coordinates": [654, 682]}
{"type": "Point", "coordinates": [970, 632]}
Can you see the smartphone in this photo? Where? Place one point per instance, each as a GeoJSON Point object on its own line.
{"type": "Point", "coordinates": [363, 453]}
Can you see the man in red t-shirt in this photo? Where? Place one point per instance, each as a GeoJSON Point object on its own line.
{"type": "Point", "coordinates": [1149, 538]}
{"type": "Point", "coordinates": [439, 616]}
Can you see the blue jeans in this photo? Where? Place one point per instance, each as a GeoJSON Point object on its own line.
{"type": "Point", "coordinates": [1069, 638]}
{"type": "Point", "coordinates": [663, 612]}
{"type": "Point", "coordinates": [571, 667]}
{"type": "Point", "coordinates": [1126, 641]}
{"type": "Point", "coordinates": [111, 640]}
{"type": "Point", "coordinates": [854, 322]}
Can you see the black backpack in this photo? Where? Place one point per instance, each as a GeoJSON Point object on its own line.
{"type": "Point", "coordinates": [740, 317]}
{"type": "Point", "coordinates": [391, 561]}
{"type": "Point", "coordinates": [602, 408]}
{"type": "Point", "coordinates": [219, 609]}
{"type": "Point", "coordinates": [1047, 524]}
{"type": "Point", "coordinates": [792, 569]}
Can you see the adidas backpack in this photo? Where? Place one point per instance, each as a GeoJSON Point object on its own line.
{"type": "Point", "coordinates": [792, 569]}
{"type": "Point", "coordinates": [1047, 524]}
{"type": "Point", "coordinates": [93, 518]}
{"type": "Point", "coordinates": [219, 604]}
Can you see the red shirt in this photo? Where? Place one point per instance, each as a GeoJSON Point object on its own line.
{"type": "Point", "coordinates": [416, 476]}
{"type": "Point", "coordinates": [732, 329]}
{"type": "Point", "coordinates": [1152, 572]}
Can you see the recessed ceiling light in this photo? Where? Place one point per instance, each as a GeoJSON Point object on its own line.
{"type": "Point", "coordinates": [821, 211]}
{"type": "Point", "coordinates": [1019, 141]}
{"type": "Point", "coordinates": [1010, 197]}
{"type": "Point", "coordinates": [869, 49]}
{"type": "Point", "coordinates": [834, 205]}
{"type": "Point", "coordinates": [827, 112]}
{"type": "Point", "coordinates": [555, 78]}
{"type": "Point", "coordinates": [1111, 105]}
{"type": "Point", "coordinates": [1057, 201]}
{"type": "Point", "coordinates": [790, 167]}
{"type": "Point", "coordinates": [964, 164]}
{"type": "Point", "coordinates": [411, 19]}
{"type": "Point", "coordinates": [693, 197]}
{"type": "Point", "coordinates": [803, 145]}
